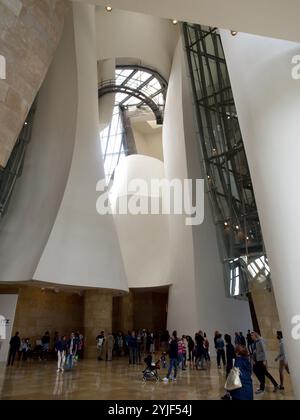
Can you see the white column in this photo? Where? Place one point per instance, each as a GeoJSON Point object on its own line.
{"type": "Point", "coordinates": [268, 105]}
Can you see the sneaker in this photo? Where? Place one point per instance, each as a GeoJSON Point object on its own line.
{"type": "Point", "coordinates": [174, 379]}
{"type": "Point", "coordinates": [259, 391]}
{"type": "Point", "coordinates": [166, 379]}
{"type": "Point", "coordinates": [281, 388]}
{"type": "Point", "coordinates": [276, 388]}
{"type": "Point", "coordinates": [58, 370]}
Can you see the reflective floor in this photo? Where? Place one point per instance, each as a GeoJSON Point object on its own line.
{"type": "Point", "coordinates": [92, 380]}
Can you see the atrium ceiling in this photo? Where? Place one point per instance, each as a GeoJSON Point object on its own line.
{"type": "Point", "coordinates": [272, 18]}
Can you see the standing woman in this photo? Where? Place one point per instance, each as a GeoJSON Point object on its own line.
{"type": "Point", "coordinates": [61, 349]}
{"type": "Point", "coordinates": [110, 346]}
{"type": "Point", "coordinates": [242, 362]}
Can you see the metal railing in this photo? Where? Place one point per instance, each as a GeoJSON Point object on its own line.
{"type": "Point", "coordinates": [13, 170]}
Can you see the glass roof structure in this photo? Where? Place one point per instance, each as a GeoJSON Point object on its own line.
{"type": "Point", "coordinates": [135, 87]}
{"type": "Point", "coordinates": [142, 81]}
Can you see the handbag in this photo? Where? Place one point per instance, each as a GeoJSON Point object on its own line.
{"type": "Point", "coordinates": [233, 380]}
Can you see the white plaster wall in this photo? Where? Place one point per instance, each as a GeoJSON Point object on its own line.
{"type": "Point", "coordinates": [25, 229]}
{"type": "Point", "coordinates": [149, 40]}
{"type": "Point", "coordinates": [148, 144]}
{"type": "Point", "coordinates": [8, 304]}
{"type": "Point", "coordinates": [268, 105]}
{"type": "Point", "coordinates": [197, 298]}
{"type": "Point", "coordinates": [144, 239]}
{"type": "Point", "coordinates": [83, 247]}
{"type": "Point", "coordinates": [275, 18]}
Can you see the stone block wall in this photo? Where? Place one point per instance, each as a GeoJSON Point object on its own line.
{"type": "Point", "coordinates": [30, 31]}
{"type": "Point", "coordinates": [40, 310]}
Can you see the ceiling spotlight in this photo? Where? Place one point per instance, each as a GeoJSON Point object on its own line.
{"type": "Point", "coordinates": [26, 123]}
{"type": "Point", "coordinates": [237, 227]}
{"type": "Point", "coordinates": [174, 21]}
{"type": "Point", "coordinates": [233, 33]}
{"type": "Point", "coordinates": [108, 8]}
{"type": "Point", "coordinates": [226, 224]}
{"type": "Point", "coordinates": [247, 238]}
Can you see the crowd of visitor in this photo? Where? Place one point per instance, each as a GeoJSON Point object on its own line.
{"type": "Point", "coordinates": [247, 353]}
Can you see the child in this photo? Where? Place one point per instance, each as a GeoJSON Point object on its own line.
{"type": "Point", "coordinates": [163, 360]}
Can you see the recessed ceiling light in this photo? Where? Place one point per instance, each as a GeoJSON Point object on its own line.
{"type": "Point", "coordinates": [174, 21]}
{"type": "Point", "coordinates": [108, 8]}
{"type": "Point", "coordinates": [233, 33]}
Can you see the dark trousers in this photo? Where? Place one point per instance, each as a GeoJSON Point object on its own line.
{"type": "Point", "coordinates": [173, 365]}
{"type": "Point", "coordinates": [11, 357]}
{"type": "Point", "coordinates": [132, 355]}
{"type": "Point", "coordinates": [261, 372]}
{"type": "Point", "coordinates": [229, 366]}
{"type": "Point", "coordinates": [220, 355]}
{"type": "Point", "coordinates": [250, 347]}
{"type": "Point", "coordinates": [206, 355]}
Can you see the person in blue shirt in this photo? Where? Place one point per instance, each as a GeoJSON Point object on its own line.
{"type": "Point", "coordinates": [242, 362]}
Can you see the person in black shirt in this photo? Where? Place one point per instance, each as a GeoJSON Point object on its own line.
{"type": "Point", "coordinates": [230, 354]}
{"type": "Point", "coordinates": [15, 344]}
{"type": "Point", "coordinates": [242, 340]}
{"type": "Point", "coordinates": [173, 354]}
{"type": "Point", "coordinates": [250, 342]}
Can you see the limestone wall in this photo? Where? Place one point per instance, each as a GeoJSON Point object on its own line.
{"type": "Point", "coordinates": [30, 31]}
{"type": "Point", "coordinates": [40, 310]}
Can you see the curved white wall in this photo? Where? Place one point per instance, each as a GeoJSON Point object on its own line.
{"type": "Point", "coordinates": [148, 39]}
{"type": "Point", "coordinates": [144, 239]}
{"type": "Point", "coordinates": [268, 105]}
{"type": "Point", "coordinates": [25, 229]}
{"type": "Point", "coordinates": [197, 297]}
{"type": "Point", "coordinates": [83, 247]}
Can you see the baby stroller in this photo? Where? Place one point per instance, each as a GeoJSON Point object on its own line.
{"type": "Point", "coordinates": [151, 370]}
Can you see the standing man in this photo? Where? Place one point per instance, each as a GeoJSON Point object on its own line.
{"type": "Point", "coordinates": [260, 363]}
{"type": "Point", "coordinates": [242, 340]}
{"type": "Point", "coordinates": [283, 363]}
{"type": "Point", "coordinates": [249, 342]}
{"type": "Point", "coordinates": [15, 344]}
{"type": "Point", "coordinates": [173, 354]}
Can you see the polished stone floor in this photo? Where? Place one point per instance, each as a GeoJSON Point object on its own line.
{"type": "Point", "coordinates": [92, 380]}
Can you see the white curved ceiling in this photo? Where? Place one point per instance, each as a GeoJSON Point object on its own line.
{"type": "Point", "coordinates": [273, 18]}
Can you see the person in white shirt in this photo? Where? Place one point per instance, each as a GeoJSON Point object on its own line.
{"type": "Point", "coordinates": [282, 358]}
{"type": "Point", "coordinates": [100, 339]}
